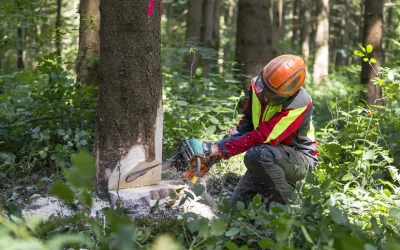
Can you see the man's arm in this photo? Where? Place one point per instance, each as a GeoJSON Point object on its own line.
{"type": "Point", "coordinates": [273, 131]}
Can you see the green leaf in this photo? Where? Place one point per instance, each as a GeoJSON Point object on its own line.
{"type": "Point", "coordinates": [199, 71]}
{"type": "Point", "coordinates": [372, 60]}
{"type": "Point", "coordinates": [214, 120]}
{"type": "Point", "coordinates": [363, 49]}
{"type": "Point", "coordinates": [204, 230]}
{"type": "Point", "coordinates": [245, 247]}
{"type": "Point", "coordinates": [193, 226]}
{"type": "Point", "coordinates": [394, 213]}
{"type": "Point", "coordinates": [82, 170]}
{"type": "Point", "coordinates": [312, 179]}
{"type": "Point", "coordinates": [391, 75]}
{"type": "Point", "coordinates": [43, 154]}
{"type": "Point", "coordinates": [358, 53]}
{"type": "Point", "coordinates": [347, 177]}
{"type": "Point", "coordinates": [375, 226]}
{"type": "Point", "coordinates": [225, 206]}
{"type": "Point", "coordinates": [256, 203]}
{"type": "Point", "coordinates": [369, 48]}
{"type": "Point", "coordinates": [189, 195]}
{"type": "Point", "coordinates": [62, 191]}
{"type": "Point", "coordinates": [83, 142]}
{"type": "Point", "coordinates": [306, 235]}
{"type": "Point", "coordinates": [240, 206]}
{"type": "Point", "coordinates": [198, 189]}
{"type": "Point", "coordinates": [61, 132]}
{"type": "Point", "coordinates": [365, 59]}
{"type": "Point", "coordinates": [232, 232]}
{"type": "Point", "coordinates": [211, 129]}
{"type": "Point", "coordinates": [351, 242]}
{"type": "Point", "coordinates": [218, 226]}
{"type": "Point", "coordinates": [266, 243]}
{"type": "Point", "coordinates": [370, 247]}
{"type": "Point", "coordinates": [387, 192]}
{"type": "Point", "coordinates": [230, 245]}
{"type": "Point", "coordinates": [338, 216]}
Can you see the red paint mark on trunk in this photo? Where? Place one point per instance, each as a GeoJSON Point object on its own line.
{"type": "Point", "coordinates": [150, 9]}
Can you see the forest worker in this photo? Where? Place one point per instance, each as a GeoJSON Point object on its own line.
{"type": "Point", "coordinates": [276, 132]}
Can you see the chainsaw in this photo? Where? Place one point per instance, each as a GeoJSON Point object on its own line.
{"type": "Point", "coordinates": [184, 160]}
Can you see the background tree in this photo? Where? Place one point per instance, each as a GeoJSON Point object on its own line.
{"type": "Point", "coordinates": [193, 29]}
{"type": "Point", "coordinates": [305, 30]}
{"type": "Point", "coordinates": [257, 40]}
{"type": "Point", "coordinates": [89, 42]}
{"type": "Point", "coordinates": [373, 34]}
{"type": "Point", "coordinates": [129, 111]}
{"type": "Point", "coordinates": [321, 62]}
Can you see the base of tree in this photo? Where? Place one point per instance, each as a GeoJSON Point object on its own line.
{"type": "Point", "coordinates": [160, 200]}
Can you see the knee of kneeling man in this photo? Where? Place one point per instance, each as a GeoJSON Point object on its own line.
{"type": "Point", "coordinates": [258, 153]}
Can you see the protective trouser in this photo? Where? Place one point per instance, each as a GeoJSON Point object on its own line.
{"type": "Point", "coordinates": [272, 171]}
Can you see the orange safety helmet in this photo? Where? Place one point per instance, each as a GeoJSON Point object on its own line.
{"type": "Point", "coordinates": [284, 75]}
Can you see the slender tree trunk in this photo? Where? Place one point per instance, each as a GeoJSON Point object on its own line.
{"type": "Point", "coordinates": [58, 31]}
{"type": "Point", "coordinates": [89, 42]}
{"type": "Point", "coordinates": [20, 44]}
{"type": "Point", "coordinates": [373, 34]}
{"type": "Point", "coordinates": [305, 31]}
{"type": "Point", "coordinates": [321, 63]}
{"type": "Point", "coordinates": [20, 63]}
{"type": "Point", "coordinates": [229, 19]}
{"type": "Point", "coordinates": [295, 26]}
{"type": "Point", "coordinates": [389, 29]}
{"type": "Point", "coordinates": [256, 42]}
{"type": "Point", "coordinates": [193, 31]}
{"type": "Point", "coordinates": [207, 38]}
{"type": "Point", "coordinates": [129, 112]}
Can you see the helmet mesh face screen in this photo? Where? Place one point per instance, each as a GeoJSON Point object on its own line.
{"type": "Point", "coordinates": [292, 84]}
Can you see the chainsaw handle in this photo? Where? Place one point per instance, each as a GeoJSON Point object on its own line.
{"type": "Point", "coordinates": [198, 166]}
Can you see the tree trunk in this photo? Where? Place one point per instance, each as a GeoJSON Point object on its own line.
{"type": "Point", "coordinates": [207, 38]}
{"type": "Point", "coordinates": [305, 31]}
{"type": "Point", "coordinates": [193, 31]}
{"type": "Point", "coordinates": [389, 30]}
{"type": "Point", "coordinates": [256, 42]}
{"type": "Point", "coordinates": [129, 113]}
{"type": "Point", "coordinates": [321, 63]}
{"type": "Point", "coordinates": [87, 66]}
{"type": "Point", "coordinates": [373, 34]}
{"type": "Point", "coordinates": [20, 63]}
{"type": "Point", "coordinates": [58, 29]}
{"type": "Point", "coordinates": [295, 26]}
{"type": "Point", "coordinates": [229, 20]}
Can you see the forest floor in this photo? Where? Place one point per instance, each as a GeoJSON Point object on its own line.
{"type": "Point", "coordinates": [30, 196]}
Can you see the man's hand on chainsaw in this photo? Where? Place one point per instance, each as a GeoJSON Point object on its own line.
{"type": "Point", "coordinates": [203, 149]}
{"type": "Point", "coordinates": [208, 153]}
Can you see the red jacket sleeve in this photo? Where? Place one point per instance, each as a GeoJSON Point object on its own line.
{"type": "Point", "coordinates": [273, 131]}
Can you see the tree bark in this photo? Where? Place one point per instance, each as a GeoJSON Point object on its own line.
{"type": "Point", "coordinates": [20, 60]}
{"type": "Point", "coordinates": [305, 31]}
{"type": "Point", "coordinates": [193, 31]}
{"type": "Point", "coordinates": [229, 20]}
{"type": "Point", "coordinates": [207, 38]}
{"type": "Point", "coordinates": [58, 29]}
{"type": "Point", "coordinates": [321, 62]}
{"type": "Point", "coordinates": [129, 112]}
{"type": "Point", "coordinates": [295, 26]}
{"type": "Point", "coordinates": [373, 34]}
{"type": "Point", "coordinates": [87, 66]}
{"type": "Point", "coordinates": [256, 41]}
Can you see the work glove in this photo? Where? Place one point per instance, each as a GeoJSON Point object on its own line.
{"type": "Point", "coordinates": [202, 149]}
